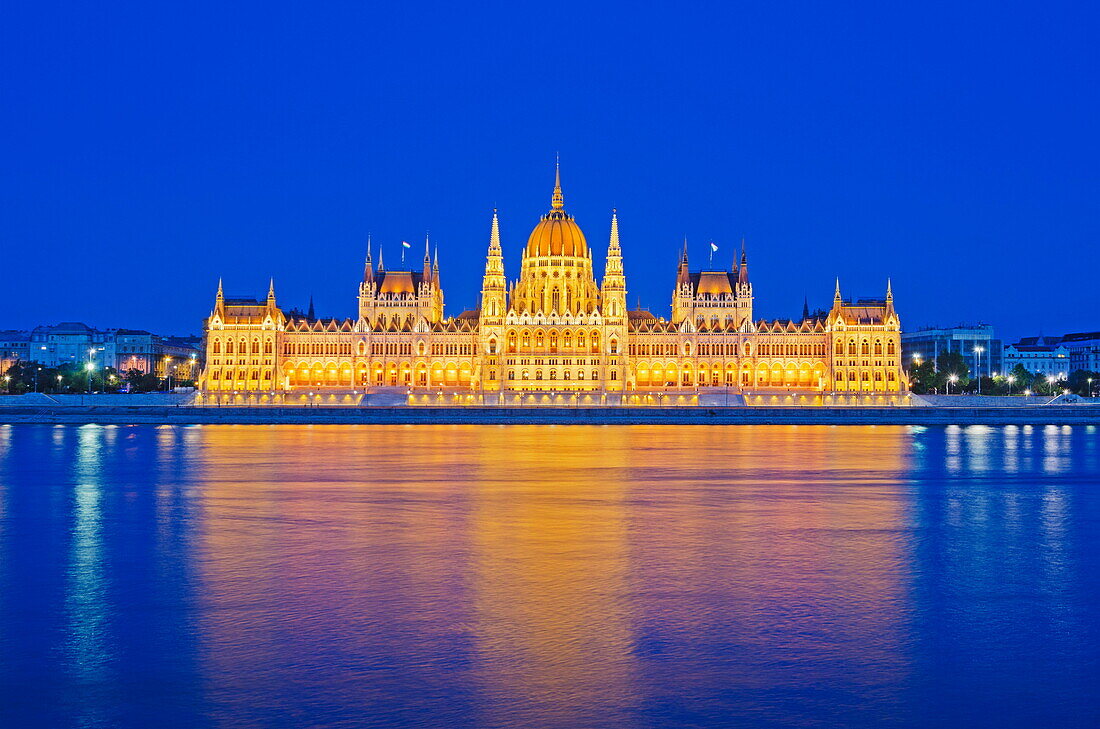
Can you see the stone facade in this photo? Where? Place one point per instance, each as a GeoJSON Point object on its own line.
{"type": "Point", "coordinates": [553, 335]}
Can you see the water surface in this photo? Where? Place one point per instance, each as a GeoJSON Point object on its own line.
{"type": "Point", "coordinates": [549, 576]}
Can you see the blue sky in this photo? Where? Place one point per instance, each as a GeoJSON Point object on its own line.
{"type": "Point", "coordinates": [149, 150]}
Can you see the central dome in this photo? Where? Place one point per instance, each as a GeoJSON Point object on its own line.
{"type": "Point", "coordinates": [557, 234]}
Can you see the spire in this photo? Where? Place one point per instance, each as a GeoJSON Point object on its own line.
{"type": "Point", "coordinates": [271, 292]}
{"type": "Point", "coordinates": [368, 265]}
{"type": "Point", "coordinates": [743, 269]}
{"type": "Point", "coordinates": [435, 265]}
{"type": "Point", "coordinates": [557, 201]}
{"type": "Point", "coordinates": [889, 292]}
{"type": "Point", "coordinates": [381, 265]}
{"type": "Point", "coordinates": [805, 308]}
{"type": "Point", "coordinates": [682, 270]}
{"type": "Point", "coordinates": [494, 234]}
{"type": "Point", "coordinates": [613, 271]}
{"type": "Point", "coordinates": [310, 314]}
{"type": "Point", "coordinates": [427, 256]}
{"type": "Point", "coordinates": [836, 294]}
{"type": "Point", "coordinates": [220, 297]}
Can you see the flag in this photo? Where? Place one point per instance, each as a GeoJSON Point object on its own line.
{"type": "Point", "coordinates": [405, 244]}
{"type": "Point", "coordinates": [713, 247]}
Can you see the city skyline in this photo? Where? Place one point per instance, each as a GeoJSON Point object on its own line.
{"type": "Point", "coordinates": [154, 153]}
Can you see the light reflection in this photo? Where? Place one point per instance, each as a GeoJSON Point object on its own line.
{"type": "Point", "coordinates": [570, 560]}
{"type": "Point", "coordinates": [90, 655]}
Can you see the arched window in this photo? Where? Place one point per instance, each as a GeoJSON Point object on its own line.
{"type": "Point", "coordinates": [512, 341]}
{"type": "Point", "coordinates": [229, 347]}
{"type": "Point", "coordinates": [614, 346]}
{"type": "Point", "coordinates": [878, 347]}
{"type": "Point", "coordinates": [511, 375]}
{"type": "Point", "coordinates": [538, 374]}
{"type": "Point", "coordinates": [890, 347]}
{"type": "Point", "coordinates": [217, 347]}
{"type": "Point", "coordinates": [553, 341]}
{"type": "Point", "coordinates": [555, 300]}
{"type": "Point", "coordinates": [526, 375]}
{"type": "Point", "coordinates": [553, 374]}
{"type": "Point", "coordinates": [492, 346]}
{"type": "Point", "coordinates": [852, 347]}
{"type": "Point", "coordinates": [580, 340]}
{"type": "Point", "coordinates": [540, 338]}
{"type": "Point", "coordinates": [567, 339]}
{"type": "Point", "coordinates": [866, 348]}
{"type": "Point", "coordinates": [526, 340]}
{"type": "Point", "coordinates": [267, 347]}
{"type": "Point", "coordinates": [595, 374]}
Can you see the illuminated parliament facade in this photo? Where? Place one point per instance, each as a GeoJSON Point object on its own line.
{"type": "Point", "coordinates": [554, 336]}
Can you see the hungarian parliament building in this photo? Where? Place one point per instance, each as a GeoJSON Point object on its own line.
{"type": "Point", "coordinates": [555, 335]}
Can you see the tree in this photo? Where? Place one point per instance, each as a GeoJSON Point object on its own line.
{"type": "Point", "coordinates": [1079, 382]}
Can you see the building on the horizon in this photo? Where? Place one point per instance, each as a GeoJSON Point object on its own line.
{"type": "Point", "coordinates": [555, 334]}
{"type": "Point", "coordinates": [1038, 355]}
{"type": "Point", "coordinates": [77, 344]}
{"type": "Point", "coordinates": [980, 349]}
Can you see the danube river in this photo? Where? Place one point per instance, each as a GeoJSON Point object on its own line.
{"type": "Point", "coordinates": [549, 576]}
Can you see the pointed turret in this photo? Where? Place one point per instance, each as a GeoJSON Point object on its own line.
{"type": "Point", "coordinates": [219, 298]}
{"type": "Point", "coordinates": [368, 265]}
{"type": "Point", "coordinates": [381, 264]}
{"type": "Point", "coordinates": [682, 276]}
{"type": "Point", "coordinates": [557, 200]}
{"type": "Point", "coordinates": [743, 269]}
{"type": "Point", "coordinates": [805, 308]}
{"type": "Point", "coordinates": [889, 292]}
{"type": "Point", "coordinates": [493, 283]}
{"type": "Point", "coordinates": [837, 300]}
{"type": "Point", "coordinates": [614, 281]}
{"type": "Point", "coordinates": [427, 257]}
{"type": "Point", "coordinates": [271, 293]}
{"type": "Point", "coordinates": [311, 315]}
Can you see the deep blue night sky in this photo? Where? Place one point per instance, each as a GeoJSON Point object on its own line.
{"type": "Point", "coordinates": [149, 150]}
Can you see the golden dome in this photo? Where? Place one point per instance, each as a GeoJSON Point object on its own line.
{"type": "Point", "coordinates": [557, 234]}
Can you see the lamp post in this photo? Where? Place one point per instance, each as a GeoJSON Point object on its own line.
{"type": "Point", "coordinates": [59, 383]}
{"type": "Point", "coordinates": [1050, 383]}
{"type": "Point", "coordinates": [7, 383]}
{"type": "Point", "coordinates": [978, 365]}
{"type": "Point", "coordinates": [1089, 380]}
{"type": "Point", "coordinates": [91, 368]}
{"type": "Point", "coordinates": [1011, 380]}
{"type": "Point", "coordinates": [37, 372]}
{"type": "Point", "coordinates": [952, 378]}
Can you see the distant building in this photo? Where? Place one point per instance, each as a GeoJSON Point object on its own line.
{"type": "Point", "coordinates": [1084, 350]}
{"type": "Point", "coordinates": [76, 343]}
{"type": "Point", "coordinates": [931, 342]}
{"type": "Point", "coordinates": [14, 346]}
{"type": "Point", "coordinates": [1040, 355]}
{"type": "Point", "coordinates": [72, 342]}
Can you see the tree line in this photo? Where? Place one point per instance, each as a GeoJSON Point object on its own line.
{"type": "Point", "coordinates": [950, 374]}
{"type": "Point", "coordinates": [30, 376]}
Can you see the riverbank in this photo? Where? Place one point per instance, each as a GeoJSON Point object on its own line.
{"type": "Point", "coordinates": [184, 415]}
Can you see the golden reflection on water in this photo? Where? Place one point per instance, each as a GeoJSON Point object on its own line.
{"type": "Point", "coordinates": [551, 559]}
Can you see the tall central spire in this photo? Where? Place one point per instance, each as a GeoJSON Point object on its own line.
{"type": "Point", "coordinates": [557, 202]}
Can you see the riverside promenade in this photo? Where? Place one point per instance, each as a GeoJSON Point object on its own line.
{"type": "Point", "coordinates": [1053, 414]}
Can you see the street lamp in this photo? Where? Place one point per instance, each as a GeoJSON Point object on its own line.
{"type": "Point", "coordinates": [1089, 380]}
{"type": "Point", "coordinates": [1050, 381]}
{"type": "Point", "coordinates": [951, 379]}
{"type": "Point", "coordinates": [7, 383]}
{"type": "Point", "coordinates": [91, 368]}
{"type": "Point", "coordinates": [59, 383]}
{"type": "Point", "coordinates": [1011, 379]}
{"type": "Point", "coordinates": [978, 365]}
